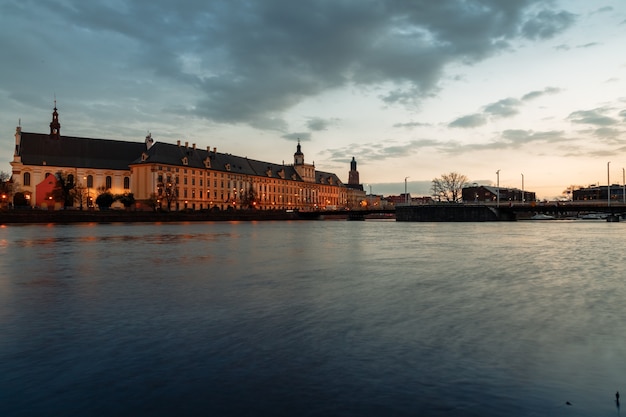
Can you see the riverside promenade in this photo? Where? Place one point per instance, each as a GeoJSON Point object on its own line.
{"type": "Point", "coordinates": [114, 216]}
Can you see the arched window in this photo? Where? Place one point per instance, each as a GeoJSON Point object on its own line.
{"type": "Point", "coordinates": [108, 182]}
{"type": "Point", "coordinates": [70, 179]}
{"type": "Point", "coordinates": [126, 183]}
{"type": "Point", "coordinates": [89, 181]}
{"type": "Point", "coordinates": [27, 178]}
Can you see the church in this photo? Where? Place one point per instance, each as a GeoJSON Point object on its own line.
{"type": "Point", "coordinates": [172, 176]}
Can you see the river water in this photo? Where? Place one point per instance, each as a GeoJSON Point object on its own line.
{"type": "Point", "coordinates": [319, 318]}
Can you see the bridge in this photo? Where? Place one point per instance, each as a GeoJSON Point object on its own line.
{"type": "Point", "coordinates": [564, 208]}
{"type": "Point", "coordinates": [477, 212]}
{"type": "Point", "coordinates": [348, 214]}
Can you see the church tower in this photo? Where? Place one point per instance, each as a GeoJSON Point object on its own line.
{"type": "Point", "coordinates": [306, 171]}
{"type": "Point", "coordinates": [55, 126]}
{"type": "Point", "coordinates": [353, 175]}
{"type": "Point", "coordinates": [298, 157]}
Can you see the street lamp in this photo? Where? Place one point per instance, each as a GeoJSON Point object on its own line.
{"type": "Point", "coordinates": [608, 184]}
{"type": "Point", "coordinates": [624, 182]}
{"type": "Point", "coordinates": [498, 189]}
{"type": "Point", "coordinates": [523, 199]}
{"type": "Point", "coordinates": [406, 195]}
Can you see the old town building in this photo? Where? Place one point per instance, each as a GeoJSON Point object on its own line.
{"type": "Point", "coordinates": [172, 176]}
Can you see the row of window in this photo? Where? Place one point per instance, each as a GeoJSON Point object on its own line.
{"type": "Point", "coordinates": [108, 180]}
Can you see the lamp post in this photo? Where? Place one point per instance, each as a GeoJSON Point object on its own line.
{"type": "Point", "coordinates": [608, 184]}
{"type": "Point", "coordinates": [523, 199]}
{"type": "Point", "coordinates": [498, 189]}
{"type": "Point", "coordinates": [406, 195]}
{"type": "Point", "coordinates": [624, 182]}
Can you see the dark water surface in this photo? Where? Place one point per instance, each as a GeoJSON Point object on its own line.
{"type": "Point", "coordinates": [316, 318]}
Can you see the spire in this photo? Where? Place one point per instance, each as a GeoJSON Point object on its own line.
{"type": "Point", "coordinates": [353, 175]}
{"type": "Point", "coordinates": [298, 157]}
{"type": "Point", "coordinates": [55, 126]}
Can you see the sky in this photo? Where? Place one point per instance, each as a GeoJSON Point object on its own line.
{"type": "Point", "coordinates": [500, 91]}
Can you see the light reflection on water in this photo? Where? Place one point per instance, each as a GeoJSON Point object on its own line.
{"type": "Point", "coordinates": [312, 318]}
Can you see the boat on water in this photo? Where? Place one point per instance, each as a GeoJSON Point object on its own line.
{"type": "Point", "coordinates": [541, 216]}
{"type": "Point", "coordinates": [593, 216]}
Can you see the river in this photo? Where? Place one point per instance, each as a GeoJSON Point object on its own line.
{"type": "Point", "coordinates": [317, 318]}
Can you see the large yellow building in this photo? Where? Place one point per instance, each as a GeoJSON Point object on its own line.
{"type": "Point", "coordinates": [174, 177]}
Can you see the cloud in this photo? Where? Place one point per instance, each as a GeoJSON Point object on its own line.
{"type": "Point", "coordinates": [469, 121]}
{"type": "Point", "coordinates": [504, 108]}
{"type": "Point", "coordinates": [317, 124]}
{"type": "Point", "coordinates": [547, 23]}
{"type": "Point", "coordinates": [536, 94]}
{"type": "Point", "coordinates": [246, 61]}
{"type": "Point", "coordinates": [301, 136]}
{"type": "Point", "coordinates": [378, 151]}
{"type": "Point", "coordinates": [594, 117]}
{"type": "Point", "coordinates": [607, 133]}
{"type": "Point", "coordinates": [410, 125]}
{"type": "Point", "coordinates": [509, 139]}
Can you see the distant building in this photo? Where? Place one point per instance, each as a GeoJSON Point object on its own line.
{"type": "Point", "coordinates": [403, 199]}
{"type": "Point", "coordinates": [599, 192]}
{"type": "Point", "coordinates": [484, 193]}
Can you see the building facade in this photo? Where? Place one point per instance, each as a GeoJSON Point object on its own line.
{"type": "Point", "coordinates": [486, 194]}
{"type": "Point", "coordinates": [172, 177]}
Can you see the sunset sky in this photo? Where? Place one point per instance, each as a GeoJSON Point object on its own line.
{"type": "Point", "coordinates": [409, 88]}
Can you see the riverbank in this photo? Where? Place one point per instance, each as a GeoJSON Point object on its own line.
{"type": "Point", "coordinates": [113, 216]}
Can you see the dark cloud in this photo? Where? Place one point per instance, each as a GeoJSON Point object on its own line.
{"type": "Point", "coordinates": [596, 117]}
{"type": "Point", "coordinates": [247, 61]}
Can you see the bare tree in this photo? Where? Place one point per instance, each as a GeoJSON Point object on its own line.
{"type": "Point", "coordinates": [65, 189]}
{"type": "Point", "coordinates": [449, 187]}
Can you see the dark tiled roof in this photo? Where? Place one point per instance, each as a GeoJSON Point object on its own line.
{"type": "Point", "coordinates": [169, 154]}
{"type": "Point", "coordinates": [327, 178]}
{"type": "Point", "coordinates": [67, 151]}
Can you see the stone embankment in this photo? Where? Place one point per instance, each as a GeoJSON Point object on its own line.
{"type": "Point", "coordinates": [113, 216]}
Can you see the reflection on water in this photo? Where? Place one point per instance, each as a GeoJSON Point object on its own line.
{"type": "Point", "coordinates": [312, 318]}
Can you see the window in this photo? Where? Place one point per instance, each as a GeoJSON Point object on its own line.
{"type": "Point", "coordinates": [26, 178]}
{"type": "Point", "coordinates": [108, 182]}
{"type": "Point", "coordinates": [89, 181]}
{"type": "Point", "coordinates": [126, 183]}
{"type": "Point", "coordinates": [70, 179]}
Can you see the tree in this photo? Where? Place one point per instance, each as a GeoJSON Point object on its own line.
{"type": "Point", "coordinates": [449, 187]}
{"type": "Point", "coordinates": [248, 199]}
{"type": "Point", "coordinates": [105, 200]}
{"type": "Point", "coordinates": [168, 190]}
{"type": "Point", "coordinates": [65, 189]}
{"type": "Point", "coordinates": [127, 199]}
{"type": "Point", "coordinates": [6, 188]}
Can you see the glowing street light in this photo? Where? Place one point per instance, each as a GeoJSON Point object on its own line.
{"type": "Point", "coordinates": [498, 189]}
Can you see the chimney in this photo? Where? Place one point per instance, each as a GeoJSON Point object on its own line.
{"type": "Point", "coordinates": [178, 142]}
{"type": "Point", "coordinates": [186, 144]}
{"type": "Point", "coordinates": [214, 150]}
{"type": "Point", "coordinates": [193, 146]}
